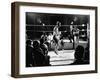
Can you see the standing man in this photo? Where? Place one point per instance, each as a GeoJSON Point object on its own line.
{"type": "Point", "coordinates": [56, 36]}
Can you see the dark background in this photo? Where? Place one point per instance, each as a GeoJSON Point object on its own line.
{"type": "Point", "coordinates": [36, 22]}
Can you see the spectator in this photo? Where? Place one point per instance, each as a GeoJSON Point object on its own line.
{"type": "Point", "coordinates": [87, 52]}
{"type": "Point", "coordinates": [29, 50]}
{"type": "Point", "coordinates": [79, 55]}
{"type": "Point", "coordinates": [39, 57]}
{"type": "Point", "coordinates": [44, 36]}
{"type": "Point", "coordinates": [44, 47]}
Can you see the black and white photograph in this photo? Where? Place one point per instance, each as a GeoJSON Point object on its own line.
{"type": "Point", "coordinates": [57, 39]}
{"type": "Point", "coordinates": [51, 39]}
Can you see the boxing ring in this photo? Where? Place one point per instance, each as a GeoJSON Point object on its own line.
{"type": "Point", "coordinates": [66, 54]}
{"type": "Point", "coordinates": [64, 57]}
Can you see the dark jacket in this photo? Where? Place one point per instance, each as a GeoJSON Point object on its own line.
{"type": "Point", "coordinates": [38, 56]}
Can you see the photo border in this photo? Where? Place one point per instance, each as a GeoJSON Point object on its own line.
{"type": "Point", "coordinates": [15, 32]}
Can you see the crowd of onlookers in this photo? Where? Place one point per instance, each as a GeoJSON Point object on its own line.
{"type": "Point", "coordinates": [37, 54]}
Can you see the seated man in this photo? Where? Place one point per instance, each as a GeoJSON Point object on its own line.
{"type": "Point", "coordinates": [29, 51]}
{"type": "Point", "coordinates": [39, 57]}
{"type": "Point", "coordinates": [79, 56]}
{"type": "Point", "coordinates": [44, 47]}
{"type": "Point", "coordinates": [49, 40]}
